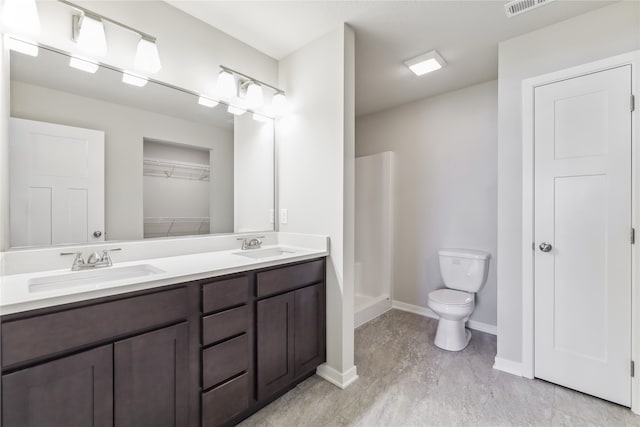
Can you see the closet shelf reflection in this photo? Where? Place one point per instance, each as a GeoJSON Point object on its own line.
{"type": "Point", "coordinates": [173, 169]}
{"type": "Point", "coordinates": [175, 226]}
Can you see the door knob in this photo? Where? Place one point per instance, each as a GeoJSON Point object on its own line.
{"type": "Point", "coordinates": [97, 234]}
{"type": "Point", "coordinates": [545, 247]}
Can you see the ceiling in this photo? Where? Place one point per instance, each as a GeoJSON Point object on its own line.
{"type": "Point", "coordinates": [465, 33]}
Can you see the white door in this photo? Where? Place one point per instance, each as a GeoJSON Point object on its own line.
{"type": "Point", "coordinates": [57, 184]}
{"type": "Point", "coordinates": [582, 233]}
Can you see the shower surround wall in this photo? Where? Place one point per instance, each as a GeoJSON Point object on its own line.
{"type": "Point", "coordinates": [374, 235]}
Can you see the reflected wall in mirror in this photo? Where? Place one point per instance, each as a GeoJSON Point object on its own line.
{"type": "Point", "coordinates": [93, 159]}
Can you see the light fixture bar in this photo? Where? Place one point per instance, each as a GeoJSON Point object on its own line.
{"type": "Point", "coordinates": [98, 16]}
{"type": "Point", "coordinates": [232, 71]}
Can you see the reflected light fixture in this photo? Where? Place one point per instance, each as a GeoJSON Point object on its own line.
{"type": "Point", "coordinates": [279, 104]}
{"type": "Point", "coordinates": [134, 80]}
{"type": "Point", "coordinates": [21, 17]}
{"type": "Point", "coordinates": [226, 85]}
{"type": "Point", "coordinates": [22, 47]}
{"type": "Point", "coordinates": [90, 36]}
{"type": "Point", "coordinates": [238, 111]}
{"type": "Point", "coordinates": [425, 63]}
{"type": "Point", "coordinates": [83, 64]}
{"type": "Point", "coordinates": [254, 95]}
{"type": "Point", "coordinates": [207, 102]}
{"type": "Point", "coordinates": [260, 118]}
{"type": "Point", "coordinates": [147, 58]}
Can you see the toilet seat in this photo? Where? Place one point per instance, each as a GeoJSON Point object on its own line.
{"type": "Point", "coordinates": [451, 297]}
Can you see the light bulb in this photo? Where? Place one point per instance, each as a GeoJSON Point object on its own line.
{"type": "Point", "coordinates": [21, 16]}
{"type": "Point", "coordinates": [147, 58]}
{"type": "Point", "coordinates": [226, 86]}
{"type": "Point", "coordinates": [255, 98]}
{"type": "Point", "coordinates": [238, 111]}
{"type": "Point", "coordinates": [134, 80]}
{"type": "Point", "coordinates": [279, 104]}
{"type": "Point", "coordinates": [207, 102]}
{"type": "Point", "coordinates": [22, 47]}
{"type": "Point", "coordinates": [91, 38]}
{"type": "Point", "coordinates": [83, 64]}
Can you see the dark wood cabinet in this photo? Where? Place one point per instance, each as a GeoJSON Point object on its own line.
{"type": "Point", "coordinates": [204, 353]}
{"type": "Point", "coordinates": [309, 328]}
{"type": "Point", "coordinates": [76, 391]}
{"type": "Point", "coordinates": [290, 327]}
{"type": "Point", "coordinates": [151, 379]}
{"type": "Point", "coordinates": [275, 334]}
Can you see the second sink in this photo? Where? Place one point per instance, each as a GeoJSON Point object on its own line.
{"type": "Point", "coordinates": [266, 252]}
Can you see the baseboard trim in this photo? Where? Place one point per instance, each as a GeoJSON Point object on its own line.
{"type": "Point", "coordinates": [427, 312]}
{"type": "Point", "coordinates": [373, 311]}
{"type": "Point", "coordinates": [508, 366]}
{"type": "Point", "coordinates": [339, 379]}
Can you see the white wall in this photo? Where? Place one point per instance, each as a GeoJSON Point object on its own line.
{"type": "Point", "coordinates": [445, 151]}
{"type": "Point", "coordinates": [374, 224]}
{"type": "Point", "coordinates": [595, 35]}
{"type": "Point", "coordinates": [253, 158]}
{"type": "Point", "coordinates": [125, 129]}
{"type": "Point", "coordinates": [316, 174]}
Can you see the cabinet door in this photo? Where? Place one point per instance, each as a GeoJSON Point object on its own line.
{"type": "Point", "coordinates": [76, 391]}
{"type": "Point", "coordinates": [151, 375]}
{"type": "Point", "coordinates": [275, 344]}
{"type": "Point", "coordinates": [309, 328]}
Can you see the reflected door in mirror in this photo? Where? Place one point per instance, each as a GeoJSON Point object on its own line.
{"type": "Point", "coordinates": [57, 194]}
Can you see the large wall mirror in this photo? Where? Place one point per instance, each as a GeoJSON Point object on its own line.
{"type": "Point", "coordinates": [94, 159]}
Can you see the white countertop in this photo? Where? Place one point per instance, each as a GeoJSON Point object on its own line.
{"type": "Point", "coordinates": [15, 294]}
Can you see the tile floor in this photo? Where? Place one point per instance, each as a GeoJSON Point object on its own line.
{"type": "Point", "coordinates": [406, 381]}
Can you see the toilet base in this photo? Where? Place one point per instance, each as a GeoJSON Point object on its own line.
{"type": "Point", "coordinates": [452, 335]}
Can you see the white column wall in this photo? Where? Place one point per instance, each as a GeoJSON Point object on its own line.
{"type": "Point", "coordinates": [316, 175]}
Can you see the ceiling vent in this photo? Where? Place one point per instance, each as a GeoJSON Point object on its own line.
{"type": "Point", "coordinates": [516, 7]}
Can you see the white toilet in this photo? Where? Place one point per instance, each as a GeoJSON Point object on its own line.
{"type": "Point", "coordinates": [464, 272]}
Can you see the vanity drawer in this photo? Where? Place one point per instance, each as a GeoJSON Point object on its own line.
{"type": "Point", "coordinates": [225, 401]}
{"type": "Point", "coordinates": [225, 324]}
{"type": "Point", "coordinates": [286, 278]}
{"type": "Point", "coordinates": [50, 334]}
{"type": "Point", "coordinates": [224, 294]}
{"type": "Point", "coordinates": [225, 360]}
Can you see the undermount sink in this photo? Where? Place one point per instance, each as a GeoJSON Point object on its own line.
{"type": "Point", "coordinates": [91, 277]}
{"type": "Point", "coordinates": [265, 252]}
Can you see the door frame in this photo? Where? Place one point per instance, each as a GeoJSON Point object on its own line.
{"type": "Point", "coordinates": [528, 237]}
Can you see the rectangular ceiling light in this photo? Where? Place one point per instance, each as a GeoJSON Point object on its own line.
{"type": "Point", "coordinates": [425, 63]}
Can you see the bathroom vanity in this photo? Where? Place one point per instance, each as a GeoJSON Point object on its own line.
{"type": "Point", "coordinates": [205, 352]}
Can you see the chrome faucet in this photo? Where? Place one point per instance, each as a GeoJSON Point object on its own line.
{"type": "Point", "coordinates": [95, 260]}
{"type": "Point", "coordinates": [251, 242]}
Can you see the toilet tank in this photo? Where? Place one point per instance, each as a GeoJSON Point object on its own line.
{"type": "Point", "coordinates": [464, 269]}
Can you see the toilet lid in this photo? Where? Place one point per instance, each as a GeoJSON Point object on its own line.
{"type": "Point", "coordinates": [450, 296]}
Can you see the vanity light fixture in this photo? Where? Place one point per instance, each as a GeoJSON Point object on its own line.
{"type": "Point", "coordinates": [147, 58]}
{"type": "Point", "coordinates": [22, 47]}
{"type": "Point", "coordinates": [226, 85]}
{"type": "Point", "coordinates": [207, 102]}
{"type": "Point", "coordinates": [134, 80]}
{"type": "Point", "coordinates": [425, 63]}
{"type": "Point", "coordinates": [21, 17]}
{"type": "Point", "coordinates": [251, 91]}
{"type": "Point", "coordinates": [88, 32]}
{"type": "Point", "coordinates": [279, 104]}
{"type": "Point", "coordinates": [254, 96]}
{"type": "Point", "coordinates": [235, 110]}
{"type": "Point", "coordinates": [83, 64]}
